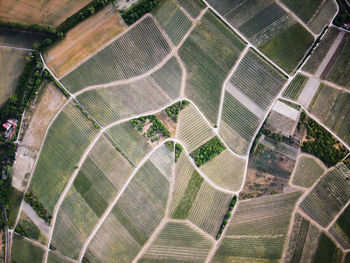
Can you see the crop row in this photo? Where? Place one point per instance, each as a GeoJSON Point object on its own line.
{"type": "Point", "coordinates": [208, 54]}
{"type": "Point", "coordinates": [327, 198]}
{"type": "Point", "coordinates": [264, 216]}
{"type": "Point", "coordinates": [67, 139]}
{"type": "Point", "coordinates": [192, 7]}
{"type": "Point", "coordinates": [295, 87]}
{"type": "Point", "coordinates": [307, 171]}
{"type": "Point", "coordinates": [178, 241]}
{"type": "Point", "coordinates": [304, 10]}
{"type": "Point", "coordinates": [175, 23]}
{"type": "Point", "coordinates": [134, 53]}
{"type": "Point", "coordinates": [225, 170]}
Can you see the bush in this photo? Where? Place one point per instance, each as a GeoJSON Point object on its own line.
{"type": "Point", "coordinates": [178, 151]}
{"type": "Point", "coordinates": [207, 151]}
{"type": "Point", "coordinates": [173, 110]}
{"type": "Point", "coordinates": [137, 10]}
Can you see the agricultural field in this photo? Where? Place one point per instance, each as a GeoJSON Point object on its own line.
{"type": "Point", "coordinates": [269, 27]}
{"type": "Point", "coordinates": [327, 198]}
{"type": "Point", "coordinates": [327, 251]}
{"type": "Point", "coordinates": [19, 39]}
{"type": "Point", "coordinates": [175, 22]}
{"type": "Point", "coordinates": [308, 169]}
{"type": "Point", "coordinates": [110, 104]}
{"type": "Point", "coordinates": [295, 88]}
{"type": "Point", "coordinates": [340, 229]}
{"type": "Point", "coordinates": [84, 40]}
{"type": "Point", "coordinates": [121, 60]}
{"type": "Point", "coordinates": [54, 258]}
{"type": "Point", "coordinates": [332, 107]}
{"type": "Point", "coordinates": [12, 62]}
{"type": "Point", "coordinates": [65, 142]}
{"type": "Point", "coordinates": [315, 14]}
{"type": "Point", "coordinates": [27, 228]}
{"type": "Point", "coordinates": [209, 53]}
{"type": "Point", "coordinates": [192, 7]}
{"type": "Point", "coordinates": [51, 12]}
{"type": "Point", "coordinates": [178, 241]}
{"type": "Point", "coordinates": [190, 122]}
{"type": "Point", "coordinates": [23, 251]}
{"type": "Point", "coordinates": [135, 216]}
{"type": "Point", "coordinates": [100, 179]}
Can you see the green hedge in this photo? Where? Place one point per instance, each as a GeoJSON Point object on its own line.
{"type": "Point", "coordinates": [37, 206]}
{"type": "Point", "coordinates": [208, 151]}
{"type": "Point", "coordinates": [137, 10]}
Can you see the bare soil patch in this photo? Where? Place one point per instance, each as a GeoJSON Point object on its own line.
{"type": "Point", "coordinates": [22, 167]}
{"type": "Point", "coordinates": [167, 122]}
{"type": "Point", "coordinates": [84, 40]}
{"type": "Point", "coordinates": [44, 111]}
{"type": "Point", "coordinates": [51, 12]}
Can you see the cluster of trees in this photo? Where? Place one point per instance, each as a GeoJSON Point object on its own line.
{"type": "Point", "coordinates": [178, 151]}
{"type": "Point", "coordinates": [207, 151]}
{"type": "Point", "coordinates": [137, 10]}
{"type": "Point", "coordinates": [226, 217]}
{"type": "Point", "coordinates": [34, 28]}
{"type": "Point", "coordinates": [173, 110]}
{"type": "Point", "coordinates": [37, 206]}
{"type": "Point", "coordinates": [343, 16]}
{"type": "Point", "coordinates": [155, 130]}
{"type": "Point", "coordinates": [321, 144]}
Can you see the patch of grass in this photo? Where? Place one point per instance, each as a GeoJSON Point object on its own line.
{"type": "Point", "coordinates": [25, 252]}
{"type": "Point", "coordinates": [288, 48]}
{"type": "Point", "coordinates": [15, 202]}
{"type": "Point", "coordinates": [183, 209]}
{"type": "Point", "coordinates": [344, 221]}
{"type": "Point", "coordinates": [178, 151]}
{"type": "Point", "coordinates": [327, 251]}
{"type": "Point", "coordinates": [170, 145]}
{"type": "Point", "coordinates": [208, 151]}
{"type": "Point", "coordinates": [27, 228]}
{"type": "Point", "coordinates": [37, 206]}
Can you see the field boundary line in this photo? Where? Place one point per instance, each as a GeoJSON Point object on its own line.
{"type": "Point", "coordinates": [128, 28]}
{"type": "Point", "coordinates": [150, 240]}
{"type": "Point", "coordinates": [292, 14]}
{"type": "Point", "coordinates": [338, 215]}
{"type": "Point", "coordinates": [162, 31]}
{"type": "Point", "coordinates": [172, 184]}
{"type": "Point", "coordinates": [68, 187]}
{"type": "Point", "coordinates": [115, 200]}
{"type": "Point", "coordinates": [18, 48]}
{"type": "Point", "coordinates": [229, 75]}
{"type": "Point", "coordinates": [37, 158]}
{"type": "Point", "coordinates": [244, 38]}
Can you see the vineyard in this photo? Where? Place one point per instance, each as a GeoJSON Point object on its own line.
{"type": "Point", "coordinates": [295, 87]}
{"type": "Point", "coordinates": [340, 229]}
{"type": "Point", "coordinates": [208, 54]}
{"type": "Point", "coordinates": [192, 7]}
{"type": "Point", "coordinates": [178, 241]}
{"type": "Point", "coordinates": [24, 251]}
{"type": "Point", "coordinates": [307, 171]}
{"type": "Point", "coordinates": [65, 142]}
{"type": "Point", "coordinates": [175, 23]}
{"type": "Point", "coordinates": [327, 198]}
{"type": "Point", "coordinates": [120, 60]}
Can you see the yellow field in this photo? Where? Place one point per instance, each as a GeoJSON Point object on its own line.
{"type": "Point", "coordinates": [12, 63]}
{"type": "Point", "coordinates": [51, 12]}
{"type": "Point", "coordinates": [83, 40]}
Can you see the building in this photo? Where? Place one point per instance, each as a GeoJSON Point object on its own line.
{"type": "Point", "coordinates": [10, 128]}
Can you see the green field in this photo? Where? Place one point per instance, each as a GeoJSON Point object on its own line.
{"type": "Point", "coordinates": [175, 23]}
{"type": "Point", "coordinates": [134, 145]}
{"type": "Point", "coordinates": [327, 198]}
{"type": "Point", "coordinates": [27, 227]}
{"type": "Point", "coordinates": [238, 124]}
{"type": "Point", "coordinates": [25, 252]}
{"type": "Point", "coordinates": [19, 39]}
{"type": "Point", "coordinates": [110, 104]}
{"type": "Point", "coordinates": [12, 63]}
{"type": "Point", "coordinates": [295, 87]}
{"type": "Point", "coordinates": [341, 229]}
{"type": "Point", "coordinates": [178, 242]}
{"type": "Point", "coordinates": [121, 59]}
{"type": "Point", "coordinates": [65, 143]}
{"type": "Point", "coordinates": [15, 202]}
{"type": "Point", "coordinates": [303, 9]}
{"type": "Point", "coordinates": [288, 48]}
{"type": "Point", "coordinates": [327, 251]}
{"type": "Point", "coordinates": [307, 171]}
{"type": "Point", "coordinates": [209, 53]}
{"type": "Point", "coordinates": [303, 241]}
{"type": "Point", "coordinates": [54, 258]}
{"type": "Point", "coordinates": [193, 7]}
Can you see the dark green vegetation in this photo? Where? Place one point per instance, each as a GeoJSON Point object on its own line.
{"type": "Point", "coordinates": [343, 221]}
{"type": "Point", "coordinates": [37, 206]}
{"type": "Point", "coordinates": [92, 197]}
{"type": "Point", "coordinates": [51, 78]}
{"type": "Point", "coordinates": [15, 199]}
{"type": "Point", "coordinates": [178, 151]}
{"type": "Point", "coordinates": [343, 16]}
{"type": "Point", "coordinates": [321, 143]}
{"type": "Point", "coordinates": [170, 145]}
{"type": "Point", "coordinates": [155, 130]}
{"type": "Point", "coordinates": [327, 251]}
{"type": "Point", "coordinates": [24, 251]}
{"type": "Point", "coordinates": [87, 115]}
{"type": "Point", "coordinates": [208, 151]}
{"type": "Point", "coordinates": [288, 48]}
{"type": "Point", "coordinates": [173, 110]}
{"type": "Point", "coordinates": [183, 209]}
{"type": "Point", "coordinates": [27, 228]}
{"type": "Point", "coordinates": [227, 217]}
{"type": "Point", "coordinates": [137, 10]}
